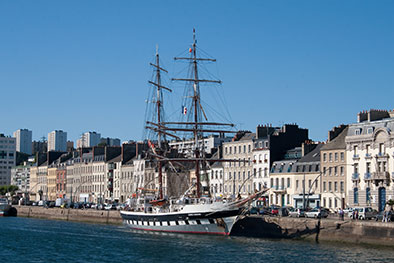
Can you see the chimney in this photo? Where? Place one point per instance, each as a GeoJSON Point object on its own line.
{"type": "Point", "coordinates": [335, 132]}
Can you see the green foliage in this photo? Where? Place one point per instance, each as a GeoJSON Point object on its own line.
{"type": "Point", "coordinates": [390, 202]}
{"type": "Point", "coordinates": [8, 189]}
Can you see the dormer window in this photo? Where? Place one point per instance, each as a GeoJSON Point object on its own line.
{"type": "Point", "coordinates": [358, 131]}
{"type": "Point", "coordinates": [370, 130]}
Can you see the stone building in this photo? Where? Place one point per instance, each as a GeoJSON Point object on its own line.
{"type": "Point", "coordinates": [297, 182]}
{"type": "Point", "coordinates": [333, 167]}
{"type": "Point", "coordinates": [369, 157]}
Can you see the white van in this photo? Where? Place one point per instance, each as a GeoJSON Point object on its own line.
{"type": "Point", "coordinates": [364, 213]}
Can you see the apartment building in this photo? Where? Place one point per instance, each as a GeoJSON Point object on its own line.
{"type": "Point", "coordinates": [333, 167]}
{"type": "Point", "coordinates": [57, 141]}
{"type": "Point", "coordinates": [297, 182]}
{"type": "Point", "coordinates": [23, 141]}
{"type": "Point", "coordinates": [7, 158]}
{"type": "Point", "coordinates": [369, 158]}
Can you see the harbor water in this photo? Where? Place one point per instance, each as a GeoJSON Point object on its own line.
{"type": "Point", "coordinates": [36, 240]}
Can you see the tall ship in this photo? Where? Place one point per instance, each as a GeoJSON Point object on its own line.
{"type": "Point", "coordinates": [195, 210]}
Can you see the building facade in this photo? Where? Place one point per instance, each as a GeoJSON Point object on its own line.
{"type": "Point", "coordinates": [23, 141]}
{"type": "Point", "coordinates": [333, 167]}
{"type": "Point", "coordinates": [369, 155]}
{"type": "Point", "coordinates": [89, 139]}
{"type": "Point", "coordinates": [57, 141]}
{"type": "Point", "coordinates": [7, 158]}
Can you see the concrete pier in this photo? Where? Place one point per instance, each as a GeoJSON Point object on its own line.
{"type": "Point", "coordinates": [78, 215]}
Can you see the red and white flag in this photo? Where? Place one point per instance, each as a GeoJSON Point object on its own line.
{"type": "Point", "coordinates": [184, 110]}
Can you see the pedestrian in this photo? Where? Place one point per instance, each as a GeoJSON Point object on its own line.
{"type": "Point", "coordinates": [386, 213]}
{"type": "Point", "coordinates": [341, 214]}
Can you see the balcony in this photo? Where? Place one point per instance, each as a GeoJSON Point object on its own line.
{"type": "Point", "coordinates": [278, 189]}
{"type": "Point", "coordinates": [355, 176]}
{"type": "Point", "coordinates": [356, 157]}
{"type": "Point", "coordinates": [367, 176]}
{"type": "Point", "coordinates": [380, 176]}
{"type": "Point", "coordinates": [382, 156]}
{"type": "Point", "coordinates": [368, 156]}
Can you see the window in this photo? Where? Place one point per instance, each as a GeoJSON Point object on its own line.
{"type": "Point", "coordinates": [368, 167]}
{"type": "Point", "coordinates": [342, 171]}
{"type": "Point", "coordinates": [330, 157]}
{"type": "Point", "coordinates": [355, 195]}
{"type": "Point", "coordinates": [342, 157]}
{"type": "Point", "coordinates": [329, 186]}
{"type": "Point", "coordinates": [336, 186]}
{"type": "Point", "coordinates": [358, 131]}
{"type": "Point", "coordinates": [244, 148]}
{"type": "Point", "coordinates": [225, 150]}
{"type": "Point", "coordinates": [239, 150]}
{"type": "Point", "coordinates": [336, 171]}
{"type": "Point", "coordinates": [288, 182]}
{"type": "Point", "coordinates": [342, 187]}
{"type": "Point", "coordinates": [336, 157]}
{"type": "Point", "coordinates": [230, 149]}
{"type": "Point", "coordinates": [368, 195]}
{"type": "Point", "coordinates": [370, 130]}
{"type": "Point", "coordinates": [324, 186]}
{"type": "Point", "coordinates": [324, 157]}
{"type": "Point", "coordinates": [249, 148]}
{"type": "Point", "coordinates": [296, 184]}
{"type": "Point", "coordinates": [381, 149]}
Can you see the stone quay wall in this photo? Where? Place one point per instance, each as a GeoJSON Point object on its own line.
{"type": "Point", "coordinates": [78, 215]}
{"type": "Point", "coordinates": [335, 230]}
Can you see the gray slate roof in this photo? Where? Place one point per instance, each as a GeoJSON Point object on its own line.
{"type": "Point", "coordinates": [338, 143]}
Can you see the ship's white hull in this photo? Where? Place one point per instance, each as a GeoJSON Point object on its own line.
{"type": "Point", "coordinates": [218, 223]}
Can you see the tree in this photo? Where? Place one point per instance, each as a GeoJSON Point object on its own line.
{"type": "Point", "coordinates": [8, 189]}
{"type": "Point", "coordinates": [12, 189]}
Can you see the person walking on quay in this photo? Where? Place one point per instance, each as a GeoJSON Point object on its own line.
{"type": "Point", "coordinates": [386, 214]}
{"type": "Point", "coordinates": [341, 214]}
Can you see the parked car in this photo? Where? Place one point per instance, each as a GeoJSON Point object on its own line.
{"type": "Point", "coordinates": [364, 213]}
{"type": "Point", "coordinates": [348, 211]}
{"type": "Point", "coordinates": [283, 211]}
{"type": "Point", "coordinates": [110, 207]}
{"type": "Point", "coordinates": [296, 212]}
{"type": "Point", "coordinates": [317, 213]}
{"type": "Point", "coordinates": [274, 210]}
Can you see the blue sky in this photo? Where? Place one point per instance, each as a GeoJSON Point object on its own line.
{"type": "Point", "coordinates": [84, 65]}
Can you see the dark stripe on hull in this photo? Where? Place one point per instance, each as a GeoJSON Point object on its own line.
{"type": "Point", "coordinates": [218, 226]}
{"type": "Point", "coordinates": [178, 216]}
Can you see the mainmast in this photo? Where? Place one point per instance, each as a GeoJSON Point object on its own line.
{"type": "Point", "coordinates": [197, 122]}
{"type": "Point", "coordinates": [159, 107]}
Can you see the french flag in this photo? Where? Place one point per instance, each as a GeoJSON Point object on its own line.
{"type": "Point", "coordinates": [184, 110]}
